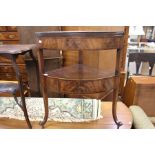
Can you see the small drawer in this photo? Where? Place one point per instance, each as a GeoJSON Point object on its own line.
{"type": "Point", "coordinates": [12, 28]}
{"type": "Point", "coordinates": [80, 87]}
{"type": "Point", "coordinates": [9, 36]}
{"type": "Point", "coordinates": [3, 28]}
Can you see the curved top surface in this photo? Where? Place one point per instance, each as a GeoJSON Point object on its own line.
{"type": "Point", "coordinates": [16, 49]}
{"type": "Point", "coordinates": [78, 34]}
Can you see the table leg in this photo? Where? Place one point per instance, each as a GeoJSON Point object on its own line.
{"type": "Point", "coordinates": [116, 89]}
{"type": "Point", "coordinates": [37, 71]}
{"type": "Point", "coordinates": [43, 86]}
{"type": "Point", "coordinates": [19, 78]}
{"type": "Point", "coordinates": [45, 98]}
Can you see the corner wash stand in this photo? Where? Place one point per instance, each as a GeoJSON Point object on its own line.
{"type": "Point", "coordinates": [80, 79]}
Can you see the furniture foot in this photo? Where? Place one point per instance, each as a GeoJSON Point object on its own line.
{"type": "Point", "coordinates": [42, 123]}
{"type": "Point", "coordinates": [118, 123]}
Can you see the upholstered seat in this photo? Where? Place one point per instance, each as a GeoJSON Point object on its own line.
{"type": "Point", "coordinates": [140, 119]}
{"type": "Point", "coordinates": [8, 87]}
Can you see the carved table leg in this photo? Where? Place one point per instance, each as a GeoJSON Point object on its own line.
{"type": "Point", "coordinates": [19, 78]}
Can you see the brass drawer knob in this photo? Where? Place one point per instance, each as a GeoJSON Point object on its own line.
{"type": "Point", "coordinates": [11, 36]}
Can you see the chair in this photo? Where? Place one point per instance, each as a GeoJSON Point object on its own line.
{"type": "Point", "coordinates": [139, 58]}
{"type": "Point", "coordinates": [80, 79]}
{"type": "Point", "coordinates": [140, 119]}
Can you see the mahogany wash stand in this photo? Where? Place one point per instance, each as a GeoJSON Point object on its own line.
{"type": "Point", "coordinates": [80, 79]}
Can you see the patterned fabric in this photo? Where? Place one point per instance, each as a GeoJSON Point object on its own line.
{"type": "Point", "coordinates": [60, 109]}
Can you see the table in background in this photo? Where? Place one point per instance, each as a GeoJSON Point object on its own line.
{"type": "Point", "coordinates": [12, 52]}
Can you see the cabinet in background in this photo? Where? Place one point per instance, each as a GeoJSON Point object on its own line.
{"type": "Point", "coordinates": [141, 91]}
{"type": "Point", "coordinates": [10, 35]}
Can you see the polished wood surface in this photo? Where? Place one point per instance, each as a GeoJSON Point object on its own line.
{"type": "Point", "coordinates": [9, 36]}
{"type": "Point", "coordinates": [11, 28]}
{"type": "Point", "coordinates": [8, 28]}
{"type": "Point", "coordinates": [52, 59]}
{"type": "Point", "coordinates": [93, 28]}
{"type": "Point", "coordinates": [80, 79]}
{"type": "Point", "coordinates": [71, 57]}
{"type": "Point", "coordinates": [140, 90]}
{"type": "Point", "coordinates": [12, 52]}
{"type": "Point", "coordinates": [79, 71]}
{"type": "Point", "coordinates": [6, 68]}
{"type": "Point", "coordinates": [95, 59]}
{"type": "Point", "coordinates": [147, 80]}
{"type": "Point", "coordinates": [80, 34]}
{"type": "Point", "coordinates": [81, 41]}
{"type": "Point", "coordinates": [3, 28]}
{"type": "Point", "coordinates": [106, 122]}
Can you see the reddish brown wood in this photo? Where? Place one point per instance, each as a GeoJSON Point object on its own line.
{"type": "Point", "coordinates": [80, 79]}
{"type": "Point", "coordinates": [3, 28]}
{"type": "Point", "coordinates": [11, 28]}
{"type": "Point", "coordinates": [79, 76]}
{"type": "Point", "coordinates": [140, 90]}
{"type": "Point", "coordinates": [12, 52]}
{"type": "Point", "coordinates": [78, 44]}
{"type": "Point", "coordinates": [43, 85]}
{"type": "Point", "coordinates": [9, 36]}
